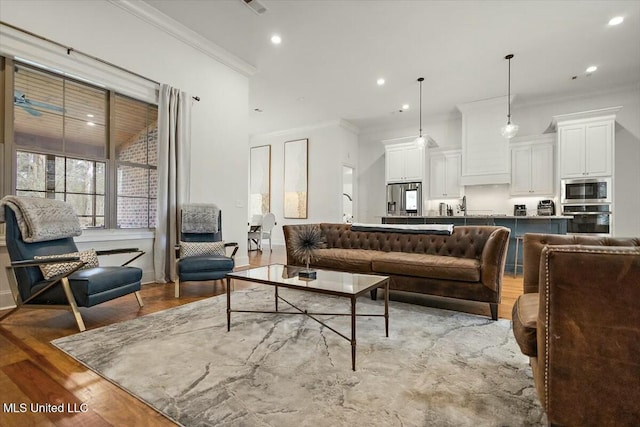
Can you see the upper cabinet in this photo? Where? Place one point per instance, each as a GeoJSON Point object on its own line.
{"type": "Point", "coordinates": [586, 143]}
{"type": "Point", "coordinates": [485, 152]}
{"type": "Point", "coordinates": [444, 174]}
{"type": "Point", "coordinates": [404, 163]}
{"type": "Point", "coordinates": [532, 166]}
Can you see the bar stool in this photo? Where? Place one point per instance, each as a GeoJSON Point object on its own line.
{"type": "Point", "coordinates": [515, 261]}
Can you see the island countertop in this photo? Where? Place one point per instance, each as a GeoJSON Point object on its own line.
{"type": "Point", "coordinates": [497, 216]}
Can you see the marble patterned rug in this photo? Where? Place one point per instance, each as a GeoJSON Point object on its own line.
{"type": "Point", "coordinates": [436, 368]}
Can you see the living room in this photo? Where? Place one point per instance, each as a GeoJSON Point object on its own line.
{"type": "Point", "coordinates": [225, 122]}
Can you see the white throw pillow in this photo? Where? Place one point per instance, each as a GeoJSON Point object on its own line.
{"type": "Point", "coordinates": [90, 257]}
{"type": "Point", "coordinates": [188, 249]}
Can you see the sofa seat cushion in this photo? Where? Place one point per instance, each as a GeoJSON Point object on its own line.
{"type": "Point", "coordinates": [428, 266]}
{"type": "Point", "coordinates": [352, 260]}
{"type": "Point", "coordinates": [525, 315]}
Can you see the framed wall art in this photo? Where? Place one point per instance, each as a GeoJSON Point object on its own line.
{"type": "Point", "coordinates": [296, 168]}
{"type": "Point", "coordinates": [260, 180]}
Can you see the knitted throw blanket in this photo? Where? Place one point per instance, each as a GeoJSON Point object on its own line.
{"type": "Point", "coordinates": [200, 218]}
{"type": "Point", "coordinates": [40, 219]}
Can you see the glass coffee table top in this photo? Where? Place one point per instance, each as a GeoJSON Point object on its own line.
{"type": "Point", "coordinates": [336, 282]}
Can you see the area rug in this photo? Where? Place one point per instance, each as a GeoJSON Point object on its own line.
{"type": "Point", "coordinates": [436, 368]}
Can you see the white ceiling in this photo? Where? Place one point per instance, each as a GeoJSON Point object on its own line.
{"type": "Point", "coordinates": [333, 52]}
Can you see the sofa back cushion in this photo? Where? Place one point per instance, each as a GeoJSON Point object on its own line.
{"type": "Point", "coordinates": [464, 242]}
{"type": "Point", "coordinates": [535, 242]}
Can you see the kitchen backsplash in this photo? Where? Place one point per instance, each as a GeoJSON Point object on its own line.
{"type": "Point", "coordinates": [487, 200]}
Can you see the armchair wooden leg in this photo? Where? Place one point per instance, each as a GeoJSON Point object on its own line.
{"type": "Point", "coordinates": [177, 288]}
{"type": "Point", "coordinates": [72, 303]}
{"type": "Point", "coordinates": [139, 298]}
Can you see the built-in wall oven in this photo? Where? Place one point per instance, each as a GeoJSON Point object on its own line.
{"type": "Point", "coordinates": [592, 219]}
{"type": "Point", "coordinates": [586, 190]}
{"type": "Point", "coordinates": [588, 202]}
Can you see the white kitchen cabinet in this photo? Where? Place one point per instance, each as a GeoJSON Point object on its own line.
{"type": "Point", "coordinates": [586, 143]}
{"type": "Point", "coordinates": [444, 175]}
{"type": "Point", "coordinates": [532, 166]}
{"type": "Point", "coordinates": [404, 163]}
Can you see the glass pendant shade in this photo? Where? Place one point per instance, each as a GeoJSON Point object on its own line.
{"type": "Point", "coordinates": [509, 130]}
{"type": "Point", "coordinates": [420, 142]}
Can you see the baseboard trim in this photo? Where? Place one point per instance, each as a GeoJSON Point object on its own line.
{"type": "Point", "coordinates": [6, 300]}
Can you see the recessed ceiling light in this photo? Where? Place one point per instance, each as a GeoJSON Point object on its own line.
{"type": "Point", "coordinates": [616, 21]}
{"type": "Point", "coordinates": [591, 69]}
{"type": "Point", "coordinates": [405, 106]}
{"type": "Point", "coordinates": [90, 124]}
{"type": "Point", "coordinates": [276, 39]}
{"type": "Point", "coordinates": [380, 81]}
{"type": "Point", "coordinates": [258, 110]}
{"type": "Point", "coordinates": [89, 115]}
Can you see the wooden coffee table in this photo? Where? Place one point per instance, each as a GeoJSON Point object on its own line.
{"type": "Point", "coordinates": [337, 283]}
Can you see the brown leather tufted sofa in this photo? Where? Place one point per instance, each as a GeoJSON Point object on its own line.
{"type": "Point", "coordinates": [468, 264]}
{"type": "Point", "coordinates": [579, 323]}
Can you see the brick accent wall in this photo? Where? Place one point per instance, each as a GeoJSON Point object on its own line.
{"type": "Point", "coordinates": [138, 187]}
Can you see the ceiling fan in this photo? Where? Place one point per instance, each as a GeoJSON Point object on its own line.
{"type": "Point", "coordinates": [20, 99]}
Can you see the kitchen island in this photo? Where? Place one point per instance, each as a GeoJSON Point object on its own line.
{"type": "Point", "coordinates": [519, 225]}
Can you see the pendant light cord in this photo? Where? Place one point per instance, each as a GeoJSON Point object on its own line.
{"type": "Point", "coordinates": [509, 90]}
{"type": "Point", "coordinates": [421, 79]}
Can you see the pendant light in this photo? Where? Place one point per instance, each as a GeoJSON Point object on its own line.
{"type": "Point", "coordinates": [510, 129]}
{"type": "Point", "coordinates": [420, 140]}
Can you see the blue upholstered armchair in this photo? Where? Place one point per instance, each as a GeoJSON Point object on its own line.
{"type": "Point", "coordinates": [52, 273]}
{"type": "Point", "coordinates": [202, 254]}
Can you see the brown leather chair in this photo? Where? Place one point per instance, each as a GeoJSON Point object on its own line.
{"type": "Point", "coordinates": [579, 323]}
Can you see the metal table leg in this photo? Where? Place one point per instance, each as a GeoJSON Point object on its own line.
{"type": "Point", "coordinates": [353, 333]}
{"type": "Point", "coordinates": [228, 304]}
{"type": "Point", "coordinates": [386, 307]}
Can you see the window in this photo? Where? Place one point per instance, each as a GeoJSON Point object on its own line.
{"type": "Point", "coordinates": [80, 182]}
{"type": "Point", "coordinates": [84, 144]}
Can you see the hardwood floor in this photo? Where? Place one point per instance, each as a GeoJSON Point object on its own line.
{"type": "Point", "coordinates": [32, 371]}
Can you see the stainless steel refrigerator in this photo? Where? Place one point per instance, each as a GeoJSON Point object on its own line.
{"type": "Point", "coordinates": [404, 199]}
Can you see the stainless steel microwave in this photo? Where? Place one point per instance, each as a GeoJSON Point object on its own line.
{"type": "Point", "coordinates": [591, 190]}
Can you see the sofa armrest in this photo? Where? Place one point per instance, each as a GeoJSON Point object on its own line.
{"type": "Point", "coordinates": [493, 258]}
{"type": "Point", "coordinates": [588, 338]}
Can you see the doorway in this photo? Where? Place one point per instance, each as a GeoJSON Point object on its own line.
{"type": "Point", "coordinates": [348, 173]}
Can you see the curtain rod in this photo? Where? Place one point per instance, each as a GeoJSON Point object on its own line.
{"type": "Point", "coordinates": [70, 49]}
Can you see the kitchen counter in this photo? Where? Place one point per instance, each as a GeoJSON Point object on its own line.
{"type": "Point", "coordinates": [519, 225]}
{"type": "Point", "coordinates": [392, 217]}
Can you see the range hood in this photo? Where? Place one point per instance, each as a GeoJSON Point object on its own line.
{"type": "Point", "coordinates": [485, 152]}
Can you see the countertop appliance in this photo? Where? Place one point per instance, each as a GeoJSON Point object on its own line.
{"type": "Point", "coordinates": [546, 208]}
{"type": "Point", "coordinates": [519, 210]}
{"type": "Point", "coordinates": [586, 190]}
{"type": "Point", "coordinates": [404, 199]}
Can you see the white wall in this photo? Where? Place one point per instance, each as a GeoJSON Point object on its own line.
{"type": "Point", "coordinates": [330, 146]}
{"type": "Point", "coordinates": [219, 121]}
{"type": "Point", "coordinates": [533, 120]}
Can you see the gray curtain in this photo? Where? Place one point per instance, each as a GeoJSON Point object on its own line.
{"type": "Point", "coordinates": [174, 158]}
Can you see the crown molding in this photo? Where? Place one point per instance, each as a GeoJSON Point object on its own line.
{"type": "Point", "coordinates": [349, 126]}
{"type": "Point", "coordinates": [622, 89]}
{"type": "Point", "coordinates": [573, 118]}
{"type": "Point", "coordinates": [180, 32]}
{"type": "Point", "coordinates": [410, 123]}
{"type": "Point", "coordinates": [336, 123]}
{"type": "Point", "coordinates": [484, 104]}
